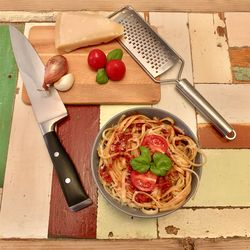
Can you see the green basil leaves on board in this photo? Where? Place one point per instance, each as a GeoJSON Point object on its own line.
{"type": "Point", "coordinates": [101, 76]}
{"type": "Point", "coordinates": [115, 54]}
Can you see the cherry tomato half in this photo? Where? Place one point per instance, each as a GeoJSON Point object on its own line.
{"type": "Point", "coordinates": [97, 59]}
{"type": "Point", "coordinates": [144, 182]}
{"type": "Point", "coordinates": [115, 69]}
{"type": "Point", "coordinates": [155, 143]}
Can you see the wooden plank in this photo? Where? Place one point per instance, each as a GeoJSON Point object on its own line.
{"type": "Point", "coordinates": [136, 86]}
{"type": "Point", "coordinates": [231, 100]}
{"type": "Point", "coordinates": [177, 36]}
{"type": "Point", "coordinates": [8, 80]}
{"type": "Point", "coordinates": [237, 29]}
{"type": "Point", "coordinates": [240, 62]}
{"type": "Point", "coordinates": [27, 183]}
{"type": "Point", "coordinates": [205, 223]}
{"type": "Point", "coordinates": [145, 5]}
{"type": "Point", "coordinates": [77, 134]}
{"type": "Point", "coordinates": [91, 244]}
{"type": "Point", "coordinates": [210, 138]}
{"type": "Point", "coordinates": [175, 244]}
{"type": "Point", "coordinates": [209, 46]}
{"type": "Point", "coordinates": [214, 190]}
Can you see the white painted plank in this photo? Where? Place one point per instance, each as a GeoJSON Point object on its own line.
{"type": "Point", "coordinates": [224, 181]}
{"type": "Point", "coordinates": [113, 224]}
{"type": "Point", "coordinates": [211, 63]}
{"type": "Point", "coordinates": [173, 28]}
{"type": "Point", "coordinates": [131, 228]}
{"type": "Point", "coordinates": [238, 29]}
{"type": "Point", "coordinates": [1, 193]}
{"type": "Point", "coordinates": [206, 223]}
{"type": "Point", "coordinates": [27, 184]}
{"type": "Point", "coordinates": [230, 100]}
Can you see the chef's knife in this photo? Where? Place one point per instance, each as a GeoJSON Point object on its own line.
{"type": "Point", "coordinates": [48, 109]}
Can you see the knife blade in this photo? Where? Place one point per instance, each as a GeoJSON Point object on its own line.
{"type": "Point", "coordinates": [48, 109]}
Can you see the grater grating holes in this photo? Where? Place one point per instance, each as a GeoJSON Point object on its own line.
{"type": "Point", "coordinates": [147, 40]}
{"type": "Point", "coordinates": [145, 45]}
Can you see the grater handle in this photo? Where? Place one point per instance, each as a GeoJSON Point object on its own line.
{"type": "Point", "coordinates": [202, 105]}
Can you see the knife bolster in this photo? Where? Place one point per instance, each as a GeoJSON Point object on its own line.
{"type": "Point", "coordinates": [49, 125]}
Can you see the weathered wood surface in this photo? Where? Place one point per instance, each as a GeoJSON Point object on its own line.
{"type": "Point", "coordinates": [145, 5]}
{"type": "Point", "coordinates": [77, 134]}
{"type": "Point", "coordinates": [8, 79]}
{"type": "Point", "coordinates": [223, 193]}
{"type": "Point", "coordinates": [175, 244]}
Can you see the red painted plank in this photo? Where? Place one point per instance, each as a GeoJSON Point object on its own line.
{"type": "Point", "coordinates": [210, 138]}
{"type": "Point", "coordinates": [77, 134]}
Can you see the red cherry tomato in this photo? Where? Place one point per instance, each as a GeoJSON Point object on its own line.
{"type": "Point", "coordinates": [155, 143]}
{"type": "Point", "coordinates": [115, 69]}
{"type": "Point", "coordinates": [97, 59]}
{"type": "Point", "coordinates": [144, 182]}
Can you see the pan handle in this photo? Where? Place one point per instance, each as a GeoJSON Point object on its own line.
{"type": "Point", "coordinates": [202, 105]}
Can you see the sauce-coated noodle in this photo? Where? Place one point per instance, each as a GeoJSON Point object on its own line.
{"type": "Point", "coordinates": [120, 144]}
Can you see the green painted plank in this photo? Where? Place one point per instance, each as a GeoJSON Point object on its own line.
{"type": "Point", "coordinates": [242, 73]}
{"type": "Point", "coordinates": [8, 80]}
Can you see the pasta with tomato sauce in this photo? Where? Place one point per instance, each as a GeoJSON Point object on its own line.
{"type": "Point", "coordinates": [147, 163]}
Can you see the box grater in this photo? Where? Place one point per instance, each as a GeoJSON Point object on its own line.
{"type": "Point", "coordinates": [156, 57]}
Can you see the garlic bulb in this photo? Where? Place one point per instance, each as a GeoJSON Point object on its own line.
{"type": "Point", "coordinates": [65, 82]}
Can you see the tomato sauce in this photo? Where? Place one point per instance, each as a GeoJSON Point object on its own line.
{"type": "Point", "coordinates": [120, 142]}
{"type": "Point", "coordinates": [103, 171]}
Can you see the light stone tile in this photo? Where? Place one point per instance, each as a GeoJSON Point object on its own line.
{"type": "Point", "coordinates": [224, 180]}
{"type": "Point", "coordinates": [113, 224]}
{"type": "Point", "coordinates": [230, 100]}
{"type": "Point", "coordinates": [211, 62]}
{"type": "Point", "coordinates": [177, 36]}
{"type": "Point", "coordinates": [238, 29]}
{"type": "Point", "coordinates": [206, 223]}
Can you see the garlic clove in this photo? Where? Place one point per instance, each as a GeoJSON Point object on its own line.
{"type": "Point", "coordinates": [65, 82]}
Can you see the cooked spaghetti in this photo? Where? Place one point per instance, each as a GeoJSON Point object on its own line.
{"type": "Point", "coordinates": [132, 164]}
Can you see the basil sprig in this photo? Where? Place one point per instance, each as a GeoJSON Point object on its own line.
{"type": "Point", "coordinates": [160, 164]}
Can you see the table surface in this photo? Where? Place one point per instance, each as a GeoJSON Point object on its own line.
{"type": "Point", "coordinates": [216, 50]}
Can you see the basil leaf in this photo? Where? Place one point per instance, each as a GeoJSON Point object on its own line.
{"type": "Point", "coordinates": [162, 164]}
{"type": "Point", "coordinates": [141, 163]}
{"type": "Point", "coordinates": [101, 76]}
{"type": "Point", "coordinates": [145, 153]}
{"type": "Point", "coordinates": [157, 171]}
{"type": "Point", "coordinates": [115, 54]}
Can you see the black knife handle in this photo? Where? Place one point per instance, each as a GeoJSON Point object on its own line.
{"type": "Point", "coordinates": [69, 179]}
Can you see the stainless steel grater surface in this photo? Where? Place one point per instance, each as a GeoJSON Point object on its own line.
{"type": "Point", "coordinates": [144, 44]}
{"type": "Point", "coordinates": [156, 57]}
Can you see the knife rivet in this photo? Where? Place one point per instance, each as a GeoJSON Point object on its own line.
{"type": "Point", "coordinates": [67, 180]}
{"type": "Point", "coordinates": [56, 154]}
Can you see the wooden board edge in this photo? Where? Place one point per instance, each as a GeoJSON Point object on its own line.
{"type": "Point", "coordinates": [156, 244]}
{"type": "Point", "coordinates": [144, 5]}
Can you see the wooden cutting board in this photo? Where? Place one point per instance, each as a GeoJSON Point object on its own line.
{"type": "Point", "coordinates": [135, 88]}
